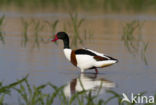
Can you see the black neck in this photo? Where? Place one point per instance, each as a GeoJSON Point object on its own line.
{"type": "Point", "coordinates": [66, 43]}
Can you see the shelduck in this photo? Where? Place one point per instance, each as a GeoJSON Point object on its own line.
{"type": "Point", "coordinates": [84, 58]}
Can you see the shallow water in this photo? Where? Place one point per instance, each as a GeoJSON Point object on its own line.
{"type": "Point", "coordinates": [48, 64]}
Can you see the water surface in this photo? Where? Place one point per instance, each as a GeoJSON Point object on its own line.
{"type": "Point", "coordinates": [48, 64]}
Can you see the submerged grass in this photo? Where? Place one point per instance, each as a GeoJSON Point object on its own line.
{"type": "Point", "coordinates": [25, 37]}
{"type": "Point", "coordinates": [76, 23]}
{"type": "Point", "coordinates": [133, 39]}
{"type": "Point", "coordinates": [35, 35]}
{"type": "Point", "coordinates": [2, 39]}
{"type": "Point", "coordinates": [143, 52]}
{"type": "Point", "coordinates": [128, 37]}
{"type": "Point", "coordinates": [53, 26]}
{"type": "Point", "coordinates": [36, 95]}
{"type": "Point", "coordinates": [38, 27]}
{"type": "Point", "coordinates": [33, 31]}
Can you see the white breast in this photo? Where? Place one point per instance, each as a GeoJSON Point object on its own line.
{"type": "Point", "coordinates": [67, 53]}
{"type": "Point", "coordinates": [85, 61]}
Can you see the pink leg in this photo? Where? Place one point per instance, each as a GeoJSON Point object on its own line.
{"type": "Point", "coordinates": [96, 70]}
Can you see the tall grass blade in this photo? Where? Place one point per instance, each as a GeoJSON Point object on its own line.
{"type": "Point", "coordinates": [7, 87]}
{"type": "Point", "coordinates": [75, 96]}
{"type": "Point", "coordinates": [2, 39]}
{"type": "Point", "coordinates": [76, 25]}
{"type": "Point", "coordinates": [134, 42]}
{"type": "Point", "coordinates": [51, 97]}
{"type": "Point", "coordinates": [25, 37]}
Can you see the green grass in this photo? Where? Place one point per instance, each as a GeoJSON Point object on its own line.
{"type": "Point", "coordinates": [53, 26]}
{"type": "Point", "coordinates": [6, 90]}
{"type": "Point", "coordinates": [37, 29]}
{"type": "Point", "coordinates": [144, 51]}
{"type": "Point", "coordinates": [76, 24]}
{"type": "Point", "coordinates": [38, 26]}
{"type": "Point", "coordinates": [36, 95]}
{"type": "Point", "coordinates": [25, 37]}
{"type": "Point", "coordinates": [78, 36]}
{"type": "Point", "coordinates": [31, 95]}
{"type": "Point", "coordinates": [2, 39]}
{"type": "Point", "coordinates": [133, 40]}
{"type": "Point", "coordinates": [87, 5]}
{"type": "Point", "coordinates": [129, 38]}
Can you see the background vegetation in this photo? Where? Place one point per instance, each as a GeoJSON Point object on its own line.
{"type": "Point", "coordinates": [88, 5]}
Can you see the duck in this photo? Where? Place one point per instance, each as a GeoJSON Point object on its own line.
{"type": "Point", "coordinates": [84, 58]}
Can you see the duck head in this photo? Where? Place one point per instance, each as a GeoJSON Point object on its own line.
{"type": "Point", "coordinates": [62, 36]}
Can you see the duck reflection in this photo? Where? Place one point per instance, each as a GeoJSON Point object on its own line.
{"type": "Point", "coordinates": [87, 82]}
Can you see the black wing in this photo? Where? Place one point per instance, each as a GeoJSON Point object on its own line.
{"type": "Point", "coordinates": [96, 57]}
{"type": "Point", "coordinates": [84, 52]}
